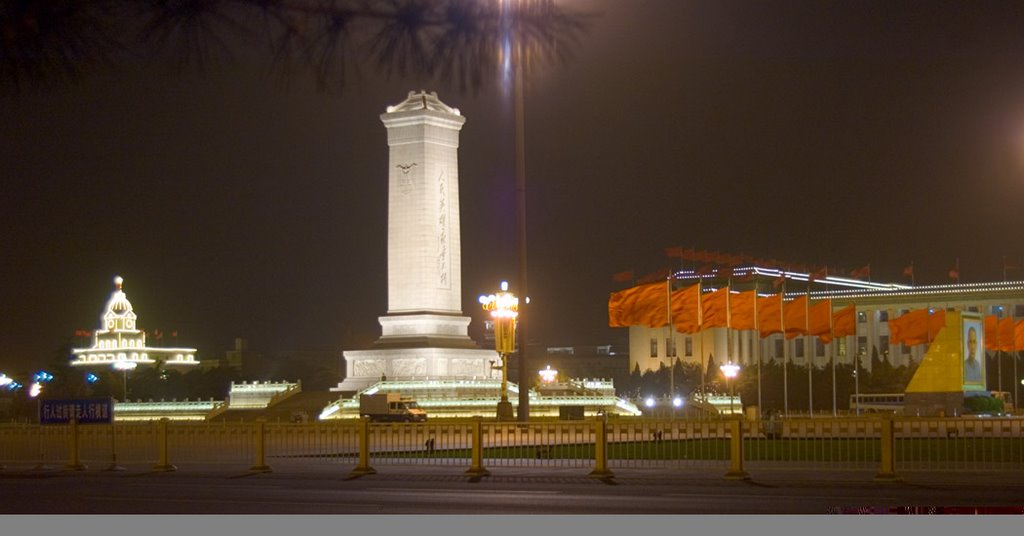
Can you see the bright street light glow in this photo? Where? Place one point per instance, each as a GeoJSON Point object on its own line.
{"type": "Point", "coordinates": [730, 370]}
{"type": "Point", "coordinates": [649, 402]}
{"type": "Point", "coordinates": [677, 402]}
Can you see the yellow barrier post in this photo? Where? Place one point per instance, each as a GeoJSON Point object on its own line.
{"type": "Point", "coordinates": [161, 441]}
{"type": "Point", "coordinates": [476, 468]}
{"type": "Point", "coordinates": [887, 471]}
{"type": "Point", "coordinates": [364, 450]}
{"type": "Point", "coordinates": [113, 450]}
{"type": "Point", "coordinates": [736, 471]}
{"type": "Point", "coordinates": [260, 464]}
{"type": "Point", "coordinates": [601, 449]}
{"type": "Point", "coordinates": [74, 463]}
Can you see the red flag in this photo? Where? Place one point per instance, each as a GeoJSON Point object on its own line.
{"type": "Point", "coordinates": [157, 334]}
{"type": "Point", "coordinates": [778, 281]}
{"type": "Point", "coordinates": [954, 273]}
{"type": "Point", "coordinates": [819, 319]}
{"type": "Point", "coordinates": [908, 271]}
{"type": "Point", "coordinates": [769, 314]}
{"type": "Point", "coordinates": [725, 272]}
{"type": "Point", "coordinates": [704, 270]}
{"type": "Point", "coordinates": [623, 277]}
{"type": "Point", "coordinates": [675, 252]}
{"type": "Point", "coordinates": [174, 334]}
{"type": "Point", "coordinates": [844, 321]}
{"type": "Point", "coordinates": [643, 305]}
{"type": "Point", "coordinates": [794, 317]}
{"type": "Point", "coordinates": [863, 272]}
{"type": "Point", "coordinates": [1018, 335]}
{"type": "Point", "coordinates": [910, 328]}
{"type": "Point", "coordinates": [655, 276]}
{"type": "Point", "coordinates": [818, 274]}
{"type": "Point", "coordinates": [1006, 334]}
{"type": "Point", "coordinates": [685, 312]}
{"type": "Point", "coordinates": [715, 308]}
{"type": "Point", "coordinates": [991, 332]}
{"type": "Point", "coordinates": [741, 307]}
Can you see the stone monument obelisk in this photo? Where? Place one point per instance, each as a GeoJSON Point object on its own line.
{"type": "Point", "coordinates": [424, 334]}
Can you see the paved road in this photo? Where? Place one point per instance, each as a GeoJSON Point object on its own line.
{"type": "Point", "coordinates": [444, 490]}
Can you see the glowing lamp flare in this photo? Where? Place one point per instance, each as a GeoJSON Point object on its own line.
{"type": "Point", "coordinates": [730, 370]}
{"type": "Point", "coordinates": [548, 375]}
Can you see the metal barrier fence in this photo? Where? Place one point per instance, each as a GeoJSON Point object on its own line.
{"type": "Point", "coordinates": [883, 446]}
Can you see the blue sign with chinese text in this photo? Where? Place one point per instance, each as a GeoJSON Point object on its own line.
{"type": "Point", "coordinates": [83, 411]}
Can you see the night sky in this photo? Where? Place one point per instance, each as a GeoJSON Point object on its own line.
{"type": "Point", "coordinates": [838, 133]}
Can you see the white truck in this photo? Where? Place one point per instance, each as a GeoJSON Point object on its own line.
{"type": "Point", "coordinates": [390, 407]}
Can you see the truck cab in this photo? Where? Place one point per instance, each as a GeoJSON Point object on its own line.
{"type": "Point", "coordinates": [390, 407]}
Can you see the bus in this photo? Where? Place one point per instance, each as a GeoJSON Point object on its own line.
{"type": "Point", "coordinates": [876, 403]}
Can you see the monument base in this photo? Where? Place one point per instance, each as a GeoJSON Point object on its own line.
{"type": "Point", "coordinates": [366, 367]}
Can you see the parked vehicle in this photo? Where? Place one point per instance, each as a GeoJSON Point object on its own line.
{"type": "Point", "coordinates": [390, 407]}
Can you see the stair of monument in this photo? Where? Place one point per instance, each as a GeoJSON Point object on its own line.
{"type": "Point", "coordinates": [300, 407]}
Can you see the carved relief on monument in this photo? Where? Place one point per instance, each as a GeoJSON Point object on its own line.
{"type": "Point", "coordinates": [405, 180]}
{"type": "Point", "coordinates": [443, 238]}
{"type": "Point", "coordinates": [368, 367]}
{"type": "Point", "coordinates": [467, 367]}
{"type": "Point", "coordinates": [408, 367]}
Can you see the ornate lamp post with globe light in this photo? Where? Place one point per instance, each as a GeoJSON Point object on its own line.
{"type": "Point", "coordinates": [504, 309]}
{"type": "Point", "coordinates": [730, 370]}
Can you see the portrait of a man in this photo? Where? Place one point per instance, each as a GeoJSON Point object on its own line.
{"type": "Point", "coordinates": [973, 364]}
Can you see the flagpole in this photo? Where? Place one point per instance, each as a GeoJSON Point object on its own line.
{"type": "Point", "coordinates": [808, 351]}
{"type": "Point", "coordinates": [728, 335]}
{"type": "Point", "coordinates": [671, 338]}
{"type": "Point", "coordinates": [700, 333]}
{"type": "Point", "coordinates": [832, 355]}
{"type": "Point", "coordinates": [785, 350]}
{"type": "Point", "coordinates": [757, 353]}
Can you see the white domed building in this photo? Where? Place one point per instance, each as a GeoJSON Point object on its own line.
{"type": "Point", "coordinates": [118, 340]}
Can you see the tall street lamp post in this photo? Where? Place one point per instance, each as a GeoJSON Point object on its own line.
{"type": "Point", "coordinates": [730, 370]}
{"type": "Point", "coordinates": [124, 367]}
{"type": "Point", "coordinates": [504, 309]}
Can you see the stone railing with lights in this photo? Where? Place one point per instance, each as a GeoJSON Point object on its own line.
{"type": "Point", "coordinates": [466, 398]}
{"type": "Point", "coordinates": [255, 395]}
{"type": "Point", "coordinates": [175, 410]}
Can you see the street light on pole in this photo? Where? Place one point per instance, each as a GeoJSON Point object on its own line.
{"type": "Point", "coordinates": [730, 370]}
{"type": "Point", "coordinates": [504, 309]}
{"type": "Point", "coordinates": [124, 367]}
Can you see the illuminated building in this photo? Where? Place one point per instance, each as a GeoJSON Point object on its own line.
{"type": "Point", "coordinates": [876, 303]}
{"type": "Point", "coordinates": [118, 339]}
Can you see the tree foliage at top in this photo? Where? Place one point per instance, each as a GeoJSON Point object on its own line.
{"type": "Point", "coordinates": [461, 42]}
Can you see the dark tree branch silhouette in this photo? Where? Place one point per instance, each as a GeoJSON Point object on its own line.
{"type": "Point", "coordinates": [46, 43]}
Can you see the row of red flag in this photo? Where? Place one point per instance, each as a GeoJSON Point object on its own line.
{"type": "Point", "coordinates": [920, 326]}
{"type": "Point", "coordinates": [691, 310]}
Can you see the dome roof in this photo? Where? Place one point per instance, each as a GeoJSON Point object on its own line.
{"type": "Point", "coordinates": [118, 303]}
